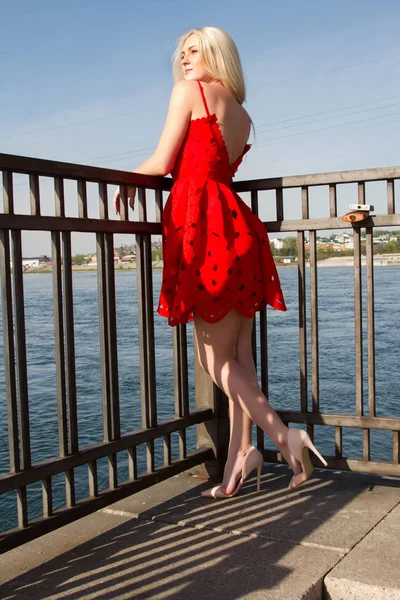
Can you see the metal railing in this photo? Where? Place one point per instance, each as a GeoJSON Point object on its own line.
{"type": "Point", "coordinates": [359, 420]}
{"type": "Point", "coordinates": [22, 472]}
{"type": "Point", "coordinates": [210, 414]}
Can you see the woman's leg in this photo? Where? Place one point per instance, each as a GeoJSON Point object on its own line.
{"type": "Point", "coordinates": [240, 422]}
{"type": "Point", "coordinates": [217, 346]}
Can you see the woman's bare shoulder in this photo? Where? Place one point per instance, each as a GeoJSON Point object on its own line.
{"type": "Point", "coordinates": [185, 89]}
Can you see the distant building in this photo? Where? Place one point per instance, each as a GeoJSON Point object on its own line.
{"type": "Point", "coordinates": [128, 258]}
{"type": "Point", "coordinates": [36, 262]}
{"type": "Point", "coordinates": [278, 243]}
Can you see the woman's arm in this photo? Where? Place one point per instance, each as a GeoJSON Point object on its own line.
{"type": "Point", "coordinates": [176, 124]}
{"type": "Point", "coordinates": [178, 117]}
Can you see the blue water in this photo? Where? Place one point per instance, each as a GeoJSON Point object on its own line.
{"type": "Point", "coordinates": [337, 367]}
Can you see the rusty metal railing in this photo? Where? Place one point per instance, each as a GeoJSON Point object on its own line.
{"type": "Point", "coordinates": [210, 413]}
{"type": "Point", "coordinates": [22, 472]}
{"type": "Point", "coordinates": [364, 420]}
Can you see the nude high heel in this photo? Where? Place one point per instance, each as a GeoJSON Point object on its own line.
{"type": "Point", "coordinates": [253, 459]}
{"type": "Point", "coordinates": [299, 444]}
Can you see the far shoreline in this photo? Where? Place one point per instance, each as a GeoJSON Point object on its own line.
{"type": "Point", "coordinates": [332, 262]}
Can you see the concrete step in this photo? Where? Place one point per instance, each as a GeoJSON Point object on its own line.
{"type": "Point", "coordinates": [372, 569]}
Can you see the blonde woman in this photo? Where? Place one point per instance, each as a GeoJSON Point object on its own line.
{"type": "Point", "coordinates": [218, 268]}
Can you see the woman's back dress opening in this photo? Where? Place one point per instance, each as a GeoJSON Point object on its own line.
{"type": "Point", "coordinates": [216, 252]}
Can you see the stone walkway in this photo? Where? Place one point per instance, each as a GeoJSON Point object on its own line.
{"type": "Point", "coordinates": [337, 537]}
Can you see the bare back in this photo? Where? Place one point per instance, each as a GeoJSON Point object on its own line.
{"type": "Point", "coordinates": [233, 120]}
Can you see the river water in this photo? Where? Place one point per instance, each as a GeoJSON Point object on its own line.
{"type": "Point", "coordinates": [337, 366]}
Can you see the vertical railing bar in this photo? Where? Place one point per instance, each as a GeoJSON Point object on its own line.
{"type": "Point", "coordinates": [59, 344]}
{"type": "Point", "coordinates": [93, 479]}
{"type": "Point", "coordinates": [70, 488]}
{"type": "Point", "coordinates": [263, 368]}
{"type": "Point", "coordinates": [358, 321]}
{"type": "Point", "coordinates": [263, 331]}
{"type": "Point", "coordinates": [70, 342]}
{"type": "Point", "coordinates": [34, 194]}
{"type": "Point", "coordinates": [20, 339]}
{"type": "Point", "coordinates": [112, 358]}
{"type": "Point", "coordinates": [132, 464]}
{"type": "Point", "coordinates": [21, 372]}
{"type": "Point", "coordinates": [181, 389]}
{"type": "Point", "coordinates": [59, 197]}
{"type": "Point", "coordinates": [148, 278]}
{"type": "Point", "coordinates": [15, 381]}
{"type": "Point", "coordinates": [144, 383]}
{"type": "Point", "coordinates": [123, 204]}
{"type": "Point", "coordinates": [184, 384]}
{"type": "Point", "coordinates": [146, 330]}
{"type": "Point", "coordinates": [70, 364]}
{"type": "Point", "coordinates": [105, 286]}
{"type": "Point", "coordinates": [371, 323]}
{"type": "Point", "coordinates": [184, 370]}
{"type": "Point", "coordinates": [101, 290]}
{"type": "Point", "coordinates": [338, 442]}
{"type": "Point", "coordinates": [159, 205]}
{"type": "Point", "coordinates": [302, 321]}
{"type": "Point", "coordinates": [102, 298]}
{"type": "Point", "coordinates": [332, 201]}
{"type": "Point", "coordinates": [68, 329]}
{"type": "Point", "coordinates": [314, 321]}
{"type": "Point", "coordinates": [371, 339]}
{"type": "Point", "coordinates": [396, 447]}
{"type": "Point", "coordinates": [103, 201]}
{"type": "Point", "coordinates": [112, 336]}
{"type": "Point", "coordinates": [279, 204]}
{"type": "Point", "coordinates": [167, 450]}
{"type": "Point", "coordinates": [390, 197]}
{"type": "Point", "coordinates": [305, 203]}
{"type": "Point", "coordinates": [305, 214]}
{"type": "Point", "coordinates": [47, 497]}
{"type": "Point", "coordinates": [82, 199]}
{"type": "Point", "coordinates": [22, 507]}
{"type": "Point", "coordinates": [9, 351]}
{"type": "Point", "coordinates": [8, 192]}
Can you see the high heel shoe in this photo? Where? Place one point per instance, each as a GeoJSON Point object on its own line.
{"type": "Point", "coordinates": [253, 459]}
{"type": "Point", "coordinates": [299, 444]}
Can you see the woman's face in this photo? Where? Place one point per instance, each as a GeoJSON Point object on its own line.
{"type": "Point", "coordinates": [191, 61]}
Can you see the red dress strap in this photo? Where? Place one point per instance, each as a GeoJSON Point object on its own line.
{"type": "Point", "coordinates": [204, 98]}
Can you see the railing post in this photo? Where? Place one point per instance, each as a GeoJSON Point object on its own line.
{"type": "Point", "coordinates": [215, 432]}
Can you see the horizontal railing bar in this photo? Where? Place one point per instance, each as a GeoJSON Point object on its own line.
{"type": "Point", "coordinates": [39, 527]}
{"type": "Point", "coordinates": [33, 223]}
{"type": "Point", "coordinates": [387, 423]}
{"type": "Point", "coordinates": [51, 168]}
{"type": "Point", "coordinates": [55, 465]}
{"type": "Point", "coordinates": [335, 223]}
{"type": "Point", "coordinates": [347, 464]}
{"type": "Point", "coordinates": [318, 179]}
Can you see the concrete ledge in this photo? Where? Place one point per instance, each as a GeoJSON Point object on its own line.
{"type": "Point", "coordinates": [170, 542]}
{"type": "Point", "coordinates": [372, 569]}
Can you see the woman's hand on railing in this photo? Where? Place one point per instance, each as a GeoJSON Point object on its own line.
{"type": "Point", "coordinates": [131, 191]}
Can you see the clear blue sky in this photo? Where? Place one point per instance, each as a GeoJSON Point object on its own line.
{"type": "Point", "coordinates": [90, 81]}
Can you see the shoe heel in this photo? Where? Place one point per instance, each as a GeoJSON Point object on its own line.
{"type": "Point", "coordinates": [254, 460]}
{"type": "Point", "coordinates": [259, 478]}
{"type": "Point", "coordinates": [310, 446]}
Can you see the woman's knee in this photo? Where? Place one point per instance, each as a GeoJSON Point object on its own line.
{"type": "Point", "coordinates": [215, 363]}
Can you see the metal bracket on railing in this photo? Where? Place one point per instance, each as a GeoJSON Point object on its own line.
{"type": "Point", "coordinates": [359, 212]}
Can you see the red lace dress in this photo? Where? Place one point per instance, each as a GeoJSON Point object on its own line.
{"type": "Point", "coordinates": [216, 252]}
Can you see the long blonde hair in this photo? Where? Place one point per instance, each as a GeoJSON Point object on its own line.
{"type": "Point", "coordinates": [220, 56]}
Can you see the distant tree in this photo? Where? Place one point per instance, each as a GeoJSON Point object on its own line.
{"type": "Point", "coordinates": [289, 247]}
{"type": "Point", "coordinates": [78, 259]}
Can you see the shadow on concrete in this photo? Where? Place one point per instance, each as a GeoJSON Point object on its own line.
{"type": "Point", "coordinates": [272, 545]}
